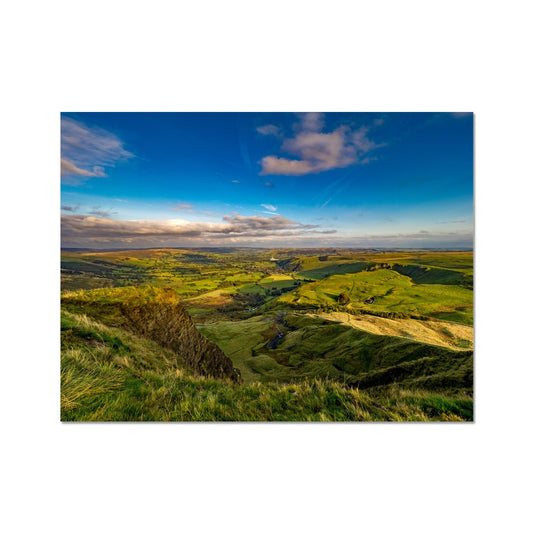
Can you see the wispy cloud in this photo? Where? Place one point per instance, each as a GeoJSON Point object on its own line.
{"type": "Point", "coordinates": [183, 206]}
{"type": "Point", "coordinates": [235, 181]}
{"type": "Point", "coordinates": [239, 223]}
{"type": "Point", "coordinates": [70, 208]}
{"type": "Point", "coordinates": [309, 122]}
{"type": "Point", "coordinates": [269, 207]}
{"type": "Point", "coordinates": [87, 150]}
{"type": "Point", "coordinates": [269, 129]}
{"type": "Point", "coordinates": [315, 151]}
{"type": "Point", "coordinates": [98, 212]}
{"type": "Point", "coordinates": [70, 169]}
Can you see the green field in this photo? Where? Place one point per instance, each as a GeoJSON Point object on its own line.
{"type": "Point", "coordinates": [394, 294]}
{"type": "Point", "coordinates": [314, 348]}
{"type": "Point", "coordinates": [293, 328]}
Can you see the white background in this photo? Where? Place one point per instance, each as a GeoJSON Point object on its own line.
{"type": "Point", "coordinates": [251, 56]}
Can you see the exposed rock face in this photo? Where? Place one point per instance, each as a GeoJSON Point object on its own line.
{"type": "Point", "coordinates": [155, 314]}
{"type": "Point", "coordinates": [171, 326]}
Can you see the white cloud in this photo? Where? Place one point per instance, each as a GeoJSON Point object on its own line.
{"type": "Point", "coordinates": [269, 129]}
{"type": "Point", "coordinates": [86, 150]}
{"type": "Point", "coordinates": [70, 169]}
{"type": "Point", "coordinates": [315, 151]}
{"type": "Point", "coordinates": [310, 122]}
{"type": "Point", "coordinates": [100, 232]}
{"type": "Point", "coordinates": [80, 230]}
{"type": "Point", "coordinates": [269, 207]}
{"type": "Point", "coordinates": [272, 164]}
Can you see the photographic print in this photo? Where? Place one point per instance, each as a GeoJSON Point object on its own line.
{"type": "Point", "coordinates": [267, 266]}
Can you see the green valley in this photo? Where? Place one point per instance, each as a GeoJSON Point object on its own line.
{"type": "Point", "coordinates": [267, 334]}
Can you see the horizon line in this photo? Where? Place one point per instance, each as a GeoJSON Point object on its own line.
{"type": "Point", "coordinates": [440, 248]}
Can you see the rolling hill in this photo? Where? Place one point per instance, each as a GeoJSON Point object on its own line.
{"type": "Point", "coordinates": [110, 374]}
{"type": "Point", "coordinates": [147, 324]}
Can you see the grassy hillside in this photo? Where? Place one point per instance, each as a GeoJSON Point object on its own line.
{"type": "Point", "coordinates": [155, 314]}
{"type": "Point", "coordinates": [109, 374]}
{"type": "Point", "coordinates": [392, 328]}
{"type": "Point", "coordinates": [237, 280]}
{"type": "Point", "coordinates": [394, 295]}
{"type": "Point", "coordinates": [312, 347]}
{"type": "Point", "coordinates": [435, 332]}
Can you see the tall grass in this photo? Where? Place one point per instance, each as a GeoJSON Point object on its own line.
{"type": "Point", "coordinates": [108, 374]}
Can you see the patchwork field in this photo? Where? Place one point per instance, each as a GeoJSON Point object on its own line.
{"type": "Point", "coordinates": [393, 294]}
{"type": "Point", "coordinates": [394, 324]}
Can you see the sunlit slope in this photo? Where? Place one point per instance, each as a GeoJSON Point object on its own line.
{"type": "Point", "coordinates": [313, 347]}
{"type": "Point", "coordinates": [437, 332]}
{"type": "Point", "coordinates": [240, 340]}
{"type": "Point", "coordinates": [109, 374]}
{"type": "Point", "coordinates": [237, 280]}
{"type": "Point", "coordinates": [394, 295]}
{"type": "Point", "coordinates": [455, 260]}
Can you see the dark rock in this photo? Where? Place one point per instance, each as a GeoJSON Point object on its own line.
{"type": "Point", "coordinates": [170, 325]}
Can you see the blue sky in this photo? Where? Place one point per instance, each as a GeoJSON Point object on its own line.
{"type": "Point", "coordinates": [267, 179]}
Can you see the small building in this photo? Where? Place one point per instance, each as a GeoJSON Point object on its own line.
{"type": "Point", "coordinates": [369, 300]}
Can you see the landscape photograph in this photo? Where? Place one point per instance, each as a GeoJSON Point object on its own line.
{"type": "Point", "coordinates": [263, 266]}
{"type": "Point", "coordinates": [253, 274]}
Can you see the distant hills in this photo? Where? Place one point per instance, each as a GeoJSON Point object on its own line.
{"type": "Point", "coordinates": [203, 334]}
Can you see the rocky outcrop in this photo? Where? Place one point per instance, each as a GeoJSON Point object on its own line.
{"type": "Point", "coordinates": [170, 325]}
{"type": "Point", "coordinates": [155, 314]}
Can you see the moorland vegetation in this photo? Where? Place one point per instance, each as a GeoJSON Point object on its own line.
{"type": "Point", "coordinates": [229, 334]}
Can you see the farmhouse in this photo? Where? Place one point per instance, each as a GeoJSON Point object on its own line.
{"type": "Point", "coordinates": [369, 300]}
